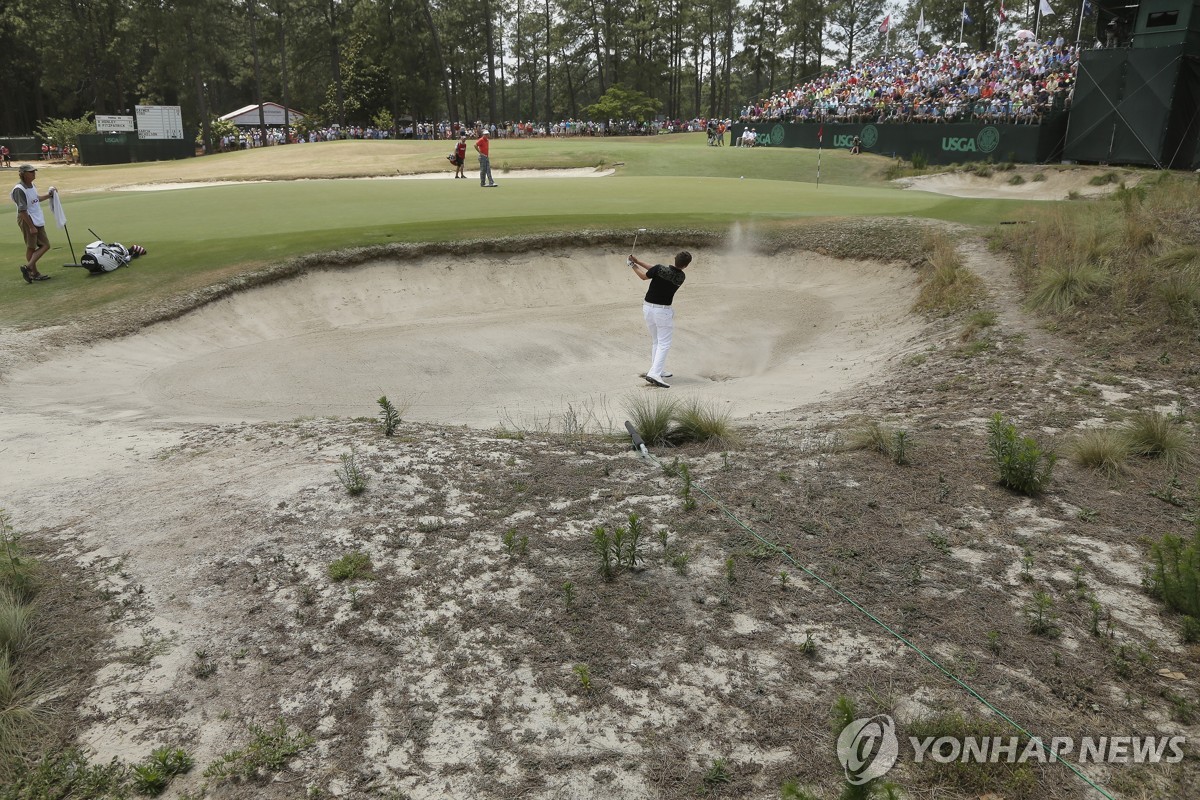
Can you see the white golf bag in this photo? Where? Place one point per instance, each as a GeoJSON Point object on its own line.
{"type": "Point", "coordinates": [99, 257]}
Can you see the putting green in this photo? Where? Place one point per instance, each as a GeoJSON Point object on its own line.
{"type": "Point", "coordinates": [198, 236]}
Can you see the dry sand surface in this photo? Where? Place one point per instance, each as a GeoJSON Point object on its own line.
{"type": "Point", "coordinates": [519, 174]}
{"type": "Point", "coordinates": [1039, 183]}
{"type": "Point", "coordinates": [190, 470]}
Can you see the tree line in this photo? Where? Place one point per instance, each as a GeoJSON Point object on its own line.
{"type": "Point", "coordinates": [366, 62]}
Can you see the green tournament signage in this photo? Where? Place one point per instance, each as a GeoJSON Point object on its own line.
{"type": "Point", "coordinates": [941, 143]}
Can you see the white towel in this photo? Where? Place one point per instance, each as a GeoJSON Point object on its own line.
{"type": "Point", "coordinates": [60, 216]}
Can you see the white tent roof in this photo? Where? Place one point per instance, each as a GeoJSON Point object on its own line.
{"type": "Point", "coordinates": [272, 113]}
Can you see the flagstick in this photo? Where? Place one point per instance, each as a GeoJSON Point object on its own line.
{"type": "Point", "coordinates": [820, 144]}
{"type": "Point", "coordinates": [1079, 32]}
{"type": "Point", "coordinates": [962, 23]}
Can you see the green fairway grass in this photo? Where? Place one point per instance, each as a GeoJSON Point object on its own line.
{"type": "Point", "coordinates": [200, 236]}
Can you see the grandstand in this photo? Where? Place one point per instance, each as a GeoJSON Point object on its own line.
{"type": "Point", "coordinates": [1136, 101]}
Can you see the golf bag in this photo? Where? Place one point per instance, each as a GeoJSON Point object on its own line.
{"type": "Point", "coordinates": [99, 257]}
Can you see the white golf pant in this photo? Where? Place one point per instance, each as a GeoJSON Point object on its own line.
{"type": "Point", "coordinates": [660, 321]}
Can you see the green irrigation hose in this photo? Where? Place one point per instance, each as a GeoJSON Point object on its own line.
{"type": "Point", "coordinates": [640, 446]}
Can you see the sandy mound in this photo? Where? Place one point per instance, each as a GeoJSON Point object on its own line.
{"type": "Point", "coordinates": [489, 341]}
{"type": "Point", "coordinates": [1054, 184]}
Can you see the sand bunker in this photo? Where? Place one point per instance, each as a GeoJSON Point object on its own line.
{"type": "Point", "coordinates": [491, 341]}
{"type": "Point", "coordinates": [1053, 184]}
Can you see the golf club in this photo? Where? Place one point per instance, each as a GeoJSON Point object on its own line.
{"type": "Point", "coordinates": [633, 249]}
{"type": "Point", "coordinates": [74, 260]}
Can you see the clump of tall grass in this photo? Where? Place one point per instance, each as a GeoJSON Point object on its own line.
{"type": "Point", "coordinates": [663, 420]}
{"type": "Point", "coordinates": [1101, 449]}
{"type": "Point", "coordinates": [703, 422]}
{"type": "Point", "coordinates": [892, 442]}
{"type": "Point", "coordinates": [22, 715]}
{"type": "Point", "coordinates": [652, 415]}
{"type": "Point", "coordinates": [946, 285]}
{"type": "Point", "coordinates": [1180, 294]}
{"type": "Point", "coordinates": [1060, 289]}
{"type": "Point", "coordinates": [1156, 435]}
{"type": "Point", "coordinates": [16, 623]}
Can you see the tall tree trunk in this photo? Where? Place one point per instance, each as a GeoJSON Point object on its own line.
{"type": "Point", "coordinates": [283, 77]}
{"type": "Point", "coordinates": [518, 50]}
{"type": "Point", "coordinates": [601, 60]}
{"type": "Point", "coordinates": [258, 94]}
{"type": "Point", "coordinates": [427, 12]}
{"type": "Point", "coordinates": [200, 88]}
{"type": "Point", "coordinates": [570, 84]}
{"type": "Point", "coordinates": [712, 60]}
{"type": "Point", "coordinates": [727, 67]}
{"type": "Point", "coordinates": [491, 59]}
{"type": "Point", "coordinates": [549, 83]}
{"type": "Point", "coordinates": [335, 60]}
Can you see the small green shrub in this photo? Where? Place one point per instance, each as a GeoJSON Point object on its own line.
{"type": "Point", "coordinates": [1105, 179]}
{"type": "Point", "coordinates": [602, 546]}
{"type": "Point", "coordinates": [149, 779]}
{"type": "Point", "coordinates": [66, 774]}
{"type": "Point", "coordinates": [18, 572]}
{"type": "Point", "coordinates": [1021, 465]}
{"type": "Point", "coordinates": [269, 750]}
{"type": "Point", "coordinates": [1042, 616]}
{"type": "Point", "coordinates": [1016, 180]}
{"type": "Point", "coordinates": [1038, 177]}
{"type": "Point", "coordinates": [919, 160]}
{"type": "Point", "coordinates": [351, 566]}
{"type": "Point", "coordinates": [1175, 573]}
{"type": "Point", "coordinates": [718, 774]}
{"type": "Point", "coordinates": [351, 474]}
{"type": "Point", "coordinates": [389, 415]}
{"type": "Point", "coordinates": [584, 673]}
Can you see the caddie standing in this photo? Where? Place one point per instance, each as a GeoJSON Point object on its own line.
{"type": "Point", "coordinates": [32, 222]}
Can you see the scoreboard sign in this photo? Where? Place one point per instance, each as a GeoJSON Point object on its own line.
{"type": "Point", "coordinates": [159, 122]}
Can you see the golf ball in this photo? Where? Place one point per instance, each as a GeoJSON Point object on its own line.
{"type": "Point", "coordinates": [742, 178]}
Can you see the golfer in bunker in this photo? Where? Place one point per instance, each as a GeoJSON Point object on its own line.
{"type": "Point", "coordinates": [657, 309]}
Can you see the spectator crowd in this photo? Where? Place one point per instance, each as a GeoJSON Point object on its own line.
{"type": "Point", "coordinates": [1010, 85]}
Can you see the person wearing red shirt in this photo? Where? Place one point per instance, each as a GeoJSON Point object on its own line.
{"type": "Point", "coordinates": [460, 156]}
{"type": "Point", "coordinates": [485, 165]}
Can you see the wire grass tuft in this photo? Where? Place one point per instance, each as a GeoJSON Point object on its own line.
{"type": "Point", "coordinates": [652, 413]}
{"type": "Point", "coordinates": [1155, 435]}
{"type": "Point", "coordinates": [21, 713]}
{"type": "Point", "coordinates": [1101, 449]}
{"type": "Point", "coordinates": [16, 623]}
{"type": "Point", "coordinates": [1180, 292]}
{"type": "Point", "coordinates": [1060, 289]}
{"type": "Point", "coordinates": [891, 442]}
{"type": "Point", "coordinates": [946, 285]}
{"type": "Point", "coordinates": [701, 421]}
